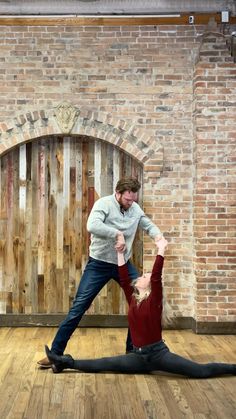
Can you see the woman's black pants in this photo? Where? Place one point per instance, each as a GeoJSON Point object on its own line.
{"type": "Point", "coordinates": [155, 357]}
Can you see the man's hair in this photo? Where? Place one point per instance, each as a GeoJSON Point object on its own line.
{"type": "Point", "coordinates": [130, 184]}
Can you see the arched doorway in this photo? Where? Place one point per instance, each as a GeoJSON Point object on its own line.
{"type": "Point", "coordinates": [48, 187]}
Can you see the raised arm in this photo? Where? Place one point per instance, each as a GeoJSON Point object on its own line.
{"type": "Point", "coordinates": [120, 257]}
{"type": "Point", "coordinates": [156, 277]}
{"type": "Point", "coordinates": [125, 281]}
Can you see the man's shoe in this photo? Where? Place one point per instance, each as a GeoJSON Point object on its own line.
{"type": "Point", "coordinates": [44, 363]}
{"type": "Point", "coordinates": [59, 362]}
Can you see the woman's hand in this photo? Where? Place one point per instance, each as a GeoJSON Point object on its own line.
{"type": "Point", "coordinates": [120, 243]}
{"type": "Point", "coordinates": [161, 246]}
{"type": "Point", "coordinates": [120, 248]}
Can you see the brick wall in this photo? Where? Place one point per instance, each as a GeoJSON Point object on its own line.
{"type": "Point", "coordinates": [214, 185]}
{"type": "Point", "coordinates": [174, 90]}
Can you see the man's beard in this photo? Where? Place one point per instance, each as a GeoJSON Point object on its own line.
{"type": "Point", "coordinates": [122, 206]}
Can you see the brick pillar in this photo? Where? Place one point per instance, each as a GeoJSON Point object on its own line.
{"type": "Point", "coordinates": [214, 211]}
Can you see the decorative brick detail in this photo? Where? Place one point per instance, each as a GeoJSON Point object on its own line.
{"type": "Point", "coordinates": [98, 125]}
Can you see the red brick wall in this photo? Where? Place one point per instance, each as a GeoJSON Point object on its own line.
{"type": "Point", "coordinates": [179, 89]}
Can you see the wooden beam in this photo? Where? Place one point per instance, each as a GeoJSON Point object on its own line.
{"type": "Point", "coordinates": [91, 320]}
{"type": "Point", "coordinates": [183, 19]}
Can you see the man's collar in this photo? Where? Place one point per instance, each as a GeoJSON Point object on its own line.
{"type": "Point", "coordinates": [122, 209]}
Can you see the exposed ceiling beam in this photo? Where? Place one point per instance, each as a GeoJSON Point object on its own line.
{"type": "Point", "coordinates": [114, 7]}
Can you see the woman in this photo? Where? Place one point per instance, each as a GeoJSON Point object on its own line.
{"type": "Point", "coordinates": [150, 353]}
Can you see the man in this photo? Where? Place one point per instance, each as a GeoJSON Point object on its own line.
{"type": "Point", "coordinates": [114, 219]}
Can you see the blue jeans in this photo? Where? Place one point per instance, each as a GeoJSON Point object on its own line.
{"type": "Point", "coordinates": [96, 275]}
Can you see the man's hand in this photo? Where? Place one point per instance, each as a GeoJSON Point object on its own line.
{"type": "Point", "coordinates": [120, 243]}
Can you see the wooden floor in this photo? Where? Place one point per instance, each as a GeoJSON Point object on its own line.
{"type": "Point", "coordinates": [28, 392]}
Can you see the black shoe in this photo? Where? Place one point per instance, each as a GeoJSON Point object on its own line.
{"type": "Point", "coordinates": [59, 362]}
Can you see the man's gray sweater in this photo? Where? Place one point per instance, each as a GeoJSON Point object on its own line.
{"type": "Point", "coordinates": [106, 220]}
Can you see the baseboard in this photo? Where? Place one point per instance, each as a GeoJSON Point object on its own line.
{"type": "Point", "coordinates": [214, 328]}
{"type": "Point", "coordinates": [115, 320]}
{"type": "Point", "coordinates": [53, 320]}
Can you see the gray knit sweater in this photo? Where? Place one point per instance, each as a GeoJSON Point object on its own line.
{"type": "Point", "coordinates": [104, 222]}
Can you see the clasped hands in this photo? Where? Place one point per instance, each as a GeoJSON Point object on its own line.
{"type": "Point", "coordinates": [120, 246]}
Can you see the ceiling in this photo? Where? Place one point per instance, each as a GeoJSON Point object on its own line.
{"type": "Point", "coordinates": [114, 7]}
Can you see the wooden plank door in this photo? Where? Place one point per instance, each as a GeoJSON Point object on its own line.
{"type": "Point", "coordinates": [48, 188]}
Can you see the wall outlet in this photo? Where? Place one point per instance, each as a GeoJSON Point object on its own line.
{"type": "Point", "coordinates": [191, 20]}
{"type": "Point", "coordinates": [225, 16]}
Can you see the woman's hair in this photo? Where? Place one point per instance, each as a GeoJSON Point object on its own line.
{"type": "Point", "coordinates": [166, 312]}
{"type": "Point", "coordinates": [138, 297]}
{"type": "Point", "coordinates": [166, 309]}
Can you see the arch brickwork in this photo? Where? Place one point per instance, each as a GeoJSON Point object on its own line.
{"type": "Point", "coordinates": [122, 134]}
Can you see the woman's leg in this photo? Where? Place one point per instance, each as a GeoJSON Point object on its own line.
{"type": "Point", "coordinates": [176, 364]}
{"type": "Point", "coordinates": [131, 363]}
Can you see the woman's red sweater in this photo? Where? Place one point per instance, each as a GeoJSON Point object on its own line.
{"type": "Point", "coordinates": [145, 317]}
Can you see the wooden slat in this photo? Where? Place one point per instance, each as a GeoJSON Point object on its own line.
{"type": "Point", "coordinates": [11, 248]}
{"type": "Point", "coordinates": [84, 188]}
{"type": "Point", "coordinates": [52, 226]}
{"type": "Point", "coordinates": [3, 229]}
{"type": "Point", "coordinates": [76, 220]}
{"type": "Point", "coordinates": [97, 169]}
{"type": "Point", "coordinates": [101, 163]}
{"type": "Point", "coordinates": [40, 293]}
{"type": "Point", "coordinates": [59, 204]}
{"type": "Point", "coordinates": [29, 273]}
{"type": "Point", "coordinates": [66, 223]}
{"type": "Point", "coordinates": [41, 204]}
{"type": "Point", "coordinates": [116, 167]}
{"type": "Point", "coordinates": [22, 228]}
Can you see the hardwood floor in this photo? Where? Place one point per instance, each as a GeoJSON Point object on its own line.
{"type": "Point", "coordinates": [28, 392]}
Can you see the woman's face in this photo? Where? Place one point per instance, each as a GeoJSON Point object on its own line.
{"type": "Point", "coordinates": [143, 282]}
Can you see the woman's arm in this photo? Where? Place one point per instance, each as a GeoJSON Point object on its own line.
{"type": "Point", "coordinates": [120, 257]}
{"type": "Point", "coordinates": [125, 282]}
{"type": "Point", "coordinates": [156, 277]}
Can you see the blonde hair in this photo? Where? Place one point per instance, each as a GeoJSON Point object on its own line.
{"type": "Point", "coordinates": [138, 297]}
{"type": "Point", "coordinates": [166, 309]}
